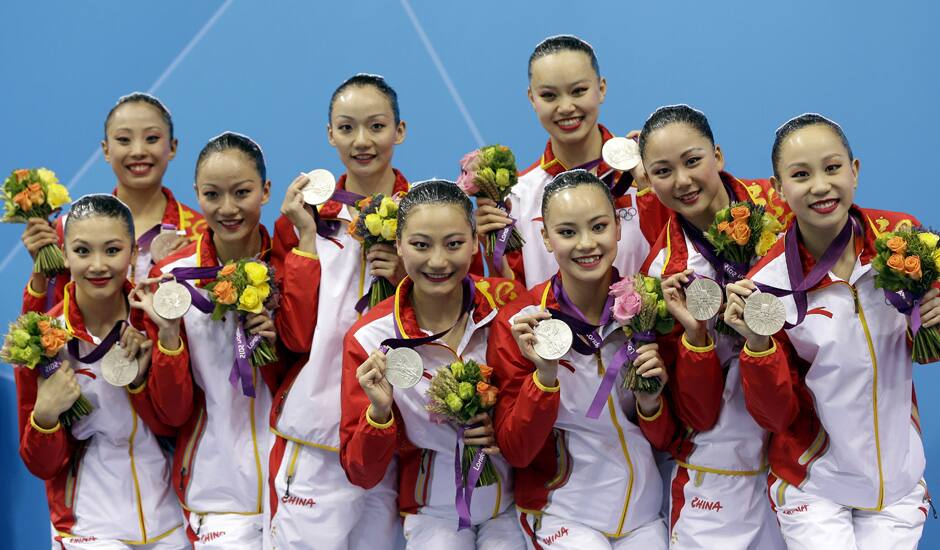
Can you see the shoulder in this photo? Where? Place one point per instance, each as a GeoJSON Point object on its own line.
{"type": "Point", "coordinates": [881, 221]}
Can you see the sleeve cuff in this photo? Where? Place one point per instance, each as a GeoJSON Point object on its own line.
{"type": "Point", "coordinates": [304, 254]}
{"type": "Point", "coordinates": [42, 430]}
{"type": "Point", "coordinates": [539, 385]}
{"type": "Point", "coordinates": [33, 293]}
{"type": "Point", "coordinates": [171, 352]}
{"type": "Point", "coordinates": [759, 354]}
{"type": "Point", "coordinates": [710, 346]}
{"type": "Point", "coordinates": [375, 424]}
{"type": "Point", "coordinates": [138, 389]}
{"type": "Point", "coordinates": [659, 412]}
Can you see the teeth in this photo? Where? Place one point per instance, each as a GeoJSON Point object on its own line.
{"type": "Point", "coordinates": [568, 122]}
{"type": "Point", "coordinates": [823, 205]}
{"type": "Point", "coordinates": [587, 259]}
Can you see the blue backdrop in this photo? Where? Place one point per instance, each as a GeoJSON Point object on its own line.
{"type": "Point", "coordinates": [268, 69]}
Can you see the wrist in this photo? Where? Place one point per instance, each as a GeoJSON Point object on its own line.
{"type": "Point", "coordinates": [547, 376]}
{"type": "Point", "coordinates": [697, 336]}
{"type": "Point", "coordinates": [380, 414]}
{"type": "Point", "coordinates": [758, 344]}
{"type": "Point", "coordinates": [44, 418]}
{"type": "Point", "coordinates": [308, 240]}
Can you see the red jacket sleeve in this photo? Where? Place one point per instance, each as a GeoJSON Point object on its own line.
{"type": "Point", "coordinates": [44, 452]}
{"type": "Point", "coordinates": [36, 299]}
{"type": "Point", "coordinates": [653, 214]}
{"type": "Point", "coordinates": [697, 384]}
{"type": "Point", "coordinates": [169, 385]}
{"type": "Point", "coordinates": [366, 448]}
{"type": "Point", "coordinates": [661, 429]}
{"type": "Point", "coordinates": [771, 380]}
{"type": "Point", "coordinates": [298, 276]}
{"type": "Point", "coordinates": [525, 411]}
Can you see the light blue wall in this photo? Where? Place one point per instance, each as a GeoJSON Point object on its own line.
{"type": "Point", "coordinates": [267, 69]}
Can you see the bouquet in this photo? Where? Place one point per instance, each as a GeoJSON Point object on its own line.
{"type": "Point", "coordinates": [376, 223]}
{"type": "Point", "coordinates": [245, 286]}
{"type": "Point", "coordinates": [36, 194]}
{"type": "Point", "coordinates": [35, 340]}
{"type": "Point", "coordinates": [740, 233]}
{"type": "Point", "coordinates": [458, 392]}
{"type": "Point", "coordinates": [490, 172]}
{"type": "Point", "coordinates": [641, 310]}
{"type": "Point", "coordinates": [907, 264]}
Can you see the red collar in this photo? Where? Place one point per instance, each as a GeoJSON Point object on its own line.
{"type": "Point", "coordinates": [551, 164]}
{"type": "Point", "coordinates": [864, 247]}
{"type": "Point", "coordinates": [206, 255]}
{"type": "Point", "coordinates": [331, 208]}
{"type": "Point", "coordinates": [171, 214]}
{"type": "Point", "coordinates": [75, 322]}
{"type": "Point", "coordinates": [407, 319]}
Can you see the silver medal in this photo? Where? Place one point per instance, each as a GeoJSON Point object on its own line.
{"type": "Point", "coordinates": [320, 188]}
{"type": "Point", "coordinates": [162, 245]}
{"type": "Point", "coordinates": [117, 369]}
{"type": "Point", "coordinates": [552, 339]}
{"type": "Point", "coordinates": [403, 367]}
{"type": "Point", "coordinates": [171, 300]}
{"type": "Point", "coordinates": [764, 313]}
{"type": "Point", "coordinates": [621, 153]}
{"type": "Point", "coordinates": [703, 299]}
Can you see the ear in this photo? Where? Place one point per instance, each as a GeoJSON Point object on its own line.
{"type": "Point", "coordinates": [777, 187]}
{"type": "Point", "coordinates": [266, 192]}
{"type": "Point", "coordinates": [329, 135]}
{"type": "Point", "coordinates": [174, 143]}
{"type": "Point", "coordinates": [104, 149]}
{"type": "Point", "coordinates": [548, 245]}
{"type": "Point", "coordinates": [400, 132]}
{"type": "Point", "coordinates": [602, 87]}
{"type": "Point", "coordinates": [531, 97]}
{"type": "Point", "coordinates": [475, 241]}
{"type": "Point", "coordinates": [719, 158]}
{"type": "Point", "coordinates": [135, 251]}
{"type": "Point", "coordinates": [617, 224]}
{"type": "Point", "coordinates": [856, 167]}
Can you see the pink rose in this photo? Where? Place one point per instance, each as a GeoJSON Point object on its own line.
{"type": "Point", "coordinates": [622, 287]}
{"type": "Point", "coordinates": [468, 171]}
{"type": "Point", "coordinates": [627, 306]}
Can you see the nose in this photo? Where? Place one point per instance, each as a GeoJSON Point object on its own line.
{"type": "Point", "coordinates": [97, 262]}
{"type": "Point", "coordinates": [137, 147]}
{"type": "Point", "coordinates": [565, 105]}
{"type": "Point", "coordinates": [438, 258]}
{"type": "Point", "coordinates": [586, 241]}
{"type": "Point", "coordinates": [361, 140]}
{"type": "Point", "coordinates": [683, 177]}
{"type": "Point", "coordinates": [820, 185]}
{"type": "Point", "coordinates": [228, 206]}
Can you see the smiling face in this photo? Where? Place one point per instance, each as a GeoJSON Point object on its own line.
{"type": "Point", "coordinates": [684, 168]}
{"type": "Point", "coordinates": [581, 230]}
{"type": "Point", "coordinates": [817, 179]}
{"type": "Point", "coordinates": [566, 94]}
{"type": "Point", "coordinates": [231, 193]}
{"type": "Point", "coordinates": [98, 253]}
{"type": "Point", "coordinates": [363, 130]}
{"type": "Point", "coordinates": [436, 247]}
{"type": "Point", "coordinates": [138, 145]}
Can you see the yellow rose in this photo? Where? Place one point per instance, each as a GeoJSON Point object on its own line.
{"type": "Point", "coordinates": [936, 258]}
{"type": "Point", "coordinates": [264, 290]}
{"type": "Point", "coordinates": [767, 240]}
{"type": "Point", "coordinates": [374, 224]}
{"type": "Point", "coordinates": [57, 195]}
{"type": "Point", "coordinates": [387, 208]}
{"type": "Point", "coordinates": [389, 227]}
{"type": "Point", "coordinates": [257, 273]}
{"type": "Point", "coordinates": [929, 239]}
{"type": "Point", "coordinates": [250, 300]}
{"type": "Point", "coordinates": [772, 224]}
{"type": "Point", "coordinates": [47, 176]}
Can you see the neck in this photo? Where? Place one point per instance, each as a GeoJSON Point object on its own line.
{"type": "Point", "coordinates": [576, 154]}
{"type": "Point", "coordinates": [589, 297]}
{"type": "Point", "coordinates": [818, 241]}
{"type": "Point", "coordinates": [248, 247]}
{"type": "Point", "coordinates": [382, 182]}
{"type": "Point", "coordinates": [100, 315]}
{"type": "Point", "coordinates": [436, 313]}
{"type": "Point", "coordinates": [143, 203]}
{"type": "Point", "coordinates": [703, 220]}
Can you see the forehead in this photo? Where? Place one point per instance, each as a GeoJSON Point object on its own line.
{"type": "Point", "coordinates": [675, 137]}
{"type": "Point", "coordinates": [436, 219]}
{"type": "Point", "coordinates": [583, 202]}
{"type": "Point", "coordinates": [229, 166]}
{"type": "Point", "coordinates": [361, 101]}
{"type": "Point", "coordinates": [562, 67]}
{"type": "Point", "coordinates": [97, 229]}
{"type": "Point", "coordinates": [137, 114]}
{"type": "Point", "coordinates": [816, 138]}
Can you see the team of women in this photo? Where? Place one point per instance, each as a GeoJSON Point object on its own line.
{"type": "Point", "coordinates": [807, 439]}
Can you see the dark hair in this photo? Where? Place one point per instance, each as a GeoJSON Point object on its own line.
{"type": "Point", "coordinates": [362, 80]}
{"type": "Point", "coordinates": [674, 114]}
{"type": "Point", "coordinates": [561, 43]}
{"type": "Point", "coordinates": [798, 123]}
{"type": "Point", "coordinates": [230, 140]}
{"type": "Point", "coordinates": [434, 192]}
{"type": "Point", "coordinates": [570, 180]}
{"type": "Point", "coordinates": [98, 205]}
{"type": "Point", "coordinates": [140, 97]}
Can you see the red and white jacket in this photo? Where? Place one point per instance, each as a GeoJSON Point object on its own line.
{"type": "Point", "coordinates": [176, 214]}
{"type": "Point", "coordinates": [600, 472]}
{"type": "Point", "coordinates": [718, 434]}
{"type": "Point", "coordinates": [836, 392]}
{"type": "Point", "coordinates": [315, 376]}
{"type": "Point", "coordinates": [106, 475]}
{"type": "Point", "coordinates": [222, 442]}
{"type": "Point", "coordinates": [425, 448]}
{"type": "Point", "coordinates": [640, 212]}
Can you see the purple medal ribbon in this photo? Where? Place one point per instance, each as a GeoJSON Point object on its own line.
{"type": "Point", "coordinates": [905, 302]}
{"type": "Point", "coordinates": [800, 286]}
{"type": "Point", "coordinates": [183, 274]}
{"type": "Point", "coordinates": [469, 292]}
{"type": "Point", "coordinates": [616, 189]}
{"type": "Point", "coordinates": [728, 272]}
{"type": "Point", "coordinates": [50, 291]}
{"type": "Point", "coordinates": [148, 237]}
{"type": "Point", "coordinates": [502, 237]}
{"type": "Point", "coordinates": [465, 490]}
{"type": "Point", "coordinates": [626, 354]}
{"type": "Point", "coordinates": [48, 369]}
{"type": "Point", "coordinates": [328, 228]}
{"type": "Point", "coordinates": [96, 354]}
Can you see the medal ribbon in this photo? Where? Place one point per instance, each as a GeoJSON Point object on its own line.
{"type": "Point", "coordinates": [96, 354]}
{"type": "Point", "coordinates": [502, 237]}
{"type": "Point", "coordinates": [465, 490]}
{"type": "Point", "coordinates": [907, 304]}
{"type": "Point", "coordinates": [328, 228]}
{"type": "Point", "coordinates": [400, 341]}
{"type": "Point", "coordinates": [148, 237]}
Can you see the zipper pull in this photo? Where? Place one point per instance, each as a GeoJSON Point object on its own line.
{"type": "Point", "coordinates": [182, 476]}
{"type": "Point", "coordinates": [290, 478]}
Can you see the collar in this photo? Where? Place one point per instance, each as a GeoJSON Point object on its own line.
{"type": "Point", "coordinates": [207, 256]}
{"type": "Point", "coordinates": [864, 247]}
{"type": "Point", "coordinates": [331, 209]}
{"type": "Point", "coordinates": [172, 213]}
{"type": "Point", "coordinates": [407, 320]}
{"type": "Point", "coordinates": [75, 321]}
{"type": "Point", "coordinates": [551, 164]}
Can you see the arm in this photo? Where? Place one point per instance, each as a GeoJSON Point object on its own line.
{"type": "Point", "coordinates": [45, 450]}
{"type": "Point", "coordinates": [699, 384]}
{"type": "Point", "coordinates": [770, 381]}
{"type": "Point", "coordinates": [661, 428]}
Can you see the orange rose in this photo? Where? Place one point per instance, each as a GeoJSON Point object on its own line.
{"type": "Point", "coordinates": [912, 267]}
{"type": "Point", "coordinates": [724, 227]}
{"type": "Point", "coordinates": [896, 262]}
{"type": "Point", "coordinates": [50, 344]}
{"type": "Point", "coordinates": [485, 371]}
{"type": "Point", "coordinates": [225, 293]}
{"type": "Point", "coordinates": [897, 245]}
{"type": "Point", "coordinates": [227, 270]}
{"type": "Point", "coordinates": [741, 232]}
{"type": "Point", "coordinates": [740, 213]}
{"type": "Point", "coordinates": [487, 394]}
{"type": "Point", "coordinates": [35, 193]}
{"type": "Point", "coordinates": [43, 326]}
{"type": "Point", "coordinates": [21, 174]}
{"type": "Point", "coordinates": [23, 201]}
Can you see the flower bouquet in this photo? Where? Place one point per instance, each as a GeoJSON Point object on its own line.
{"type": "Point", "coordinates": [245, 286]}
{"type": "Point", "coordinates": [376, 223]}
{"type": "Point", "coordinates": [641, 310]}
{"type": "Point", "coordinates": [36, 194]}
{"type": "Point", "coordinates": [490, 172]}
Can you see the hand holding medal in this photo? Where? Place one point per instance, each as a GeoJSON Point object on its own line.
{"type": "Point", "coordinates": [371, 376]}
{"type": "Point", "coordinates": [553, 339]}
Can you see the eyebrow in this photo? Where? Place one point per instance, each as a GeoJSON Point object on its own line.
{"type": "Point", "coordinates": [369, 116]}
{"type": "Point", "coordinates": [148, 128]}
{"type": "Point", "coordinates": [83, 241]}
{"type": "Point", "coordinates": [592, 220]}
{"type": "Point", "coordinates": [448, 236]}
{"type": "Point", "coordinates": [582, 81]}
{"type": "Point", "coordinates": [237, 183]}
